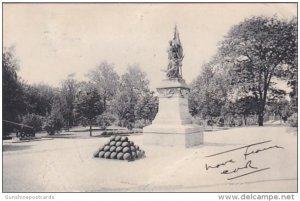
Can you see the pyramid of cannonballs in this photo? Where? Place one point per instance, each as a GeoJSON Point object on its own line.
{"type": "Point", "coordinates": [120, 148]}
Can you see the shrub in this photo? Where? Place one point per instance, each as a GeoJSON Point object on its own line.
{"type": "Point", "coordinates": [83, 121]}
{"type": "Point", "coordinates": [141, 123]}
{"type": "Point", "coordinates": [236, 121]}
{"type": "Point", "coordinates": [54, 123]}
{"type": "Point", "coordinates": [36, 121]}
{"type": "Point", "coordinates": [251, 120]}
{"type": "Point", "coordinates": [293, 120]}
{"type": "Point", "coordinates": [106, 119]}
{"type": "Point", "coordinates": [198, 121]}
{"type": "Point", "coordinates": [239, 122]}
{"type": "Point", "coordinates": [210, 122]}
{"type": "Point", "coordinates": [221, 122]}
{"type": "Point", "coordinates": [232, 123]}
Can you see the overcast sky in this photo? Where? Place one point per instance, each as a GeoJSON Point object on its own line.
{"type": "Point", "coordinates": [54, 40]}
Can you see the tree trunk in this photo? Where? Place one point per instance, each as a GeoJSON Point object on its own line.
{"type": "Point", "coordinates": [91, 129]}
{"type": "Point", "coordinates": [68, 125]}
{"type": "Point", "coordinates": [260, 119]}
{"type": "Point", "coordinates": [245, 120]}
{"type": "Point", "coordinates": [104, 103]}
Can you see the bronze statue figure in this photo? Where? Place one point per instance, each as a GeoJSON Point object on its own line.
{"type": "Point", "coordinates": [175, 56]}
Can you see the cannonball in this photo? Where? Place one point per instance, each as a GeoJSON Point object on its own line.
{"type": "Point", "coordinates": [113, 155]}
{"type": "Point", "coordinates": [118, 138]}
{"type": "Point", "coordinates": [125, 144]}
{"type": "Point", "coordinates": [137, 147]}
{"type": "Point", "coordinates": [106, 148]}
{"type": "Point", "coordinates": [101, 148]}
{"type": "Point", "coordinates": [119, 143]}
{"type": "Point", "coordinates": [139, 154]}
{"type": "Point", "coordinates": [132, 148]}
{"type": "Point", "coordinates": [96, 154]}
{"type": "Point", "coordinates": [112, 143]}
{"type": "Point", "coordinates": [120, 156]}
{"type": "Point", "coordinates": [143, 153]}
{"type": "Point", "coordinates": [107, 154]}
{"type": "Point", "coordinates": [124, 139]}
{"type": "Point", "coordinates": [131, 143]}
{"type": "Point", "coordinates": [127, 156]}
{"type": "Point", "coordinates": [112, 138]}
{"type": "Point", "coordinates": [112, 148]}
{"type": "Point", "coordinates": [133, 154]}
{"type": "Point", "coordinates": [118, 149]}
{"type": "Point", "coordinates": [126, 149]}
{"type": "Point", "coordinates": [101, 154]}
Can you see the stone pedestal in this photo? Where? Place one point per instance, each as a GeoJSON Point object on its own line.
{"type": "Point", "coordinates": [173, 125]}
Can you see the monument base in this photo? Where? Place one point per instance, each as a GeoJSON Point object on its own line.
{"type": "Point", "coordinates": [183, 136]}
{"type": "Point", "coordinates": [173, 124]}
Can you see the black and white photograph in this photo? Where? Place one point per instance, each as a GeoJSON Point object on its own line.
{"type": "Point", "coordinates": [149, 97]}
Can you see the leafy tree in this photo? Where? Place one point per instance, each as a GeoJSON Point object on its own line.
{"type": "Point", "coordinates": [146, 108]}
{"type": "Point", "coordinates": [54, 122]}
{"type": "Point", "coordinates": [245, 106]}
{"type": "Point", "coordinates": [68, 95]}
{"type": "Point", "coordinates": [123, 107]}
{"type": "Point", "coordinates": [134, 101]}
{"type": "Point", "coordinates": [200, 93]}
{"type": "Point", "coordinates": [12, 92]}
{"type": "Point", "coordinates": [34, 120]}
{"type": "Point", "coordinates": [106, 119]}
{"type": "Point", "coordinates": [106, 80]}
{"type": "Point", "coordinates": [279, 107]}
{"type": "Point", "coordinates": [290, 71]}
{"type": "Point", "coordinates": [88, 104]}
{"type": "Point", "coordinates": [293, 120]}
{"type": "Point", "coordinates": [209, 93]}
{"type": "Point", "coordinates": [38, 98]}
{"type": "Point", "coordinates": [256, 51]}
{"type": "Point", "coordinates": [294, 94]}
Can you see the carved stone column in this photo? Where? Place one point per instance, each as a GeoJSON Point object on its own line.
{"type": "Point", "coordinates": [173, 125]}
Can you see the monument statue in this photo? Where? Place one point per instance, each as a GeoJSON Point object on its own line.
{"type": "Point", "coordinates": [175, 56]}
{"type": "Point", "coordinates": [173, 124]}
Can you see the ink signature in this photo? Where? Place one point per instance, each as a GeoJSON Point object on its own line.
{"type": "Point", "coordinates": [248, 163]}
